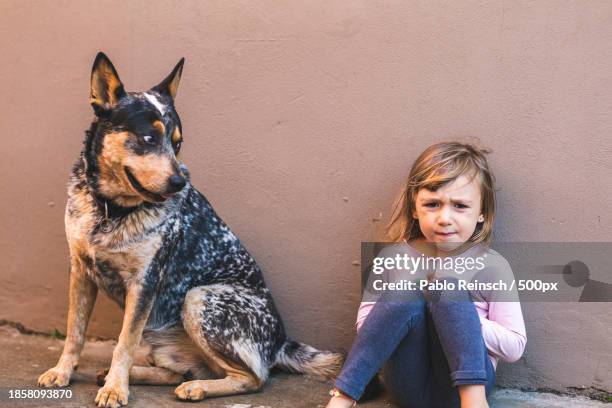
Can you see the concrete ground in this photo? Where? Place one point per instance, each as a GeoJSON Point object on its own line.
{"type": "Point", "coordinates": [24, 357]}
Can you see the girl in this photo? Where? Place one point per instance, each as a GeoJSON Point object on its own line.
{"type": "Point", "coordinates": [438, 353]}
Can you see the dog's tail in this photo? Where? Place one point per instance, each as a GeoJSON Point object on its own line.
{"type": "Point", "coordinates": [301, 358]}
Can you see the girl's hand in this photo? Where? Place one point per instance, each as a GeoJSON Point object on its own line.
{"type": "Point", "coordinates": [340, 402]}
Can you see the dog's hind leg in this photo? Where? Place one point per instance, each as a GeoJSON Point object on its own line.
{"type": "Point", "coordinates": [140, 375]}
{"type": "Point", "coordinates": [237, 334]}
{"type": "Point", "coordinates": [173, 356]}
{"type": "Point", "coordinates": [173, 349]}
{"type": "Point", "coordinates": [231, 385]}
{"type": "Point", "coordinates": [154, 376]}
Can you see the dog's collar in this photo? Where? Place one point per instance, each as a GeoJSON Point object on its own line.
{"type": "Point", "coordinates": [105, 224]}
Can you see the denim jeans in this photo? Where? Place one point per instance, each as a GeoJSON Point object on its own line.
{"type": "Point", "coordinates": [426, 345]}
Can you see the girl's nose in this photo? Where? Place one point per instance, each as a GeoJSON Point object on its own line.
{"type": "Point", "coordinates": [444, 216]}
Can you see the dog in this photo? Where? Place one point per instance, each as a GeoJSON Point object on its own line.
{"type": "Point", "coordinates": [138, 230]}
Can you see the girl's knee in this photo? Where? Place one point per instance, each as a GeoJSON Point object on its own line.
{"type": "Point", "coordinates": [413, 309]}
{"type": "Point", "coordinates": [448, 290]}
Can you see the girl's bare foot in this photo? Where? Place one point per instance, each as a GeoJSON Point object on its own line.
{"type": "Point", "coordinates": [339, 402]}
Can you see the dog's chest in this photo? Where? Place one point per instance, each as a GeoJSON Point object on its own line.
{"type": "Point", "coordinates": [117, 259]}
{"type": "Point", "coordinates": [115, 270]}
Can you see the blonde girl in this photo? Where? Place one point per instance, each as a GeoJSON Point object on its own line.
{"type": "Point", "coordinates": [443, 352]}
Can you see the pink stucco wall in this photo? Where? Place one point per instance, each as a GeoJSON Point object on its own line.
{"type": "Point", "coordinates": [301, 119]}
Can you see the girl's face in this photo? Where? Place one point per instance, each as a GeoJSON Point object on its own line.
{"type": "Point", "coordinates": [448, 216]}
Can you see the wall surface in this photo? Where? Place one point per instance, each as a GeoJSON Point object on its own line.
{"type": "Point", "coordinates": [301, 119]}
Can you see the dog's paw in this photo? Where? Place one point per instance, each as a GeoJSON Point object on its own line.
{"type": "Point", "coordinates": [111, 396]}
{"type": "Point", "coordinates": [54, 378]}
{"type": "Point", "coordinates": [101, 376]}
{"type": "Point", "coordinates": [190, 391]}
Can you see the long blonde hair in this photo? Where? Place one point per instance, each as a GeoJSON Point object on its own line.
{"type": "Point", "coordinates": [438, 165]}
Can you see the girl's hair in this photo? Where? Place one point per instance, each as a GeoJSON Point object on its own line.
{"type": "Point", "coordinates": [438, 165]}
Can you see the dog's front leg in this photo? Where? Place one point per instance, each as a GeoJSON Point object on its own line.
{"type": "Point", "coordinates": [81, 298]}
{"type": "Point", "coordinates": [115, 391]}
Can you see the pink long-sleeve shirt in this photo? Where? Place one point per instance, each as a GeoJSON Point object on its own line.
{"type": "Point", "coordinates": [503, 327]}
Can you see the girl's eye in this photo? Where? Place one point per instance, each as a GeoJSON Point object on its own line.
{"type": "Point", "coordinates": [431, 205]}
{"type": "Point", "coordinates": [149, 139]}
{"type": "Point", "coordinates": [461, 206]}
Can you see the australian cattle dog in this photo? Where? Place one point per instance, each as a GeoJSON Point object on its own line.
{"type": "Point", "coordinates": [138, 230]}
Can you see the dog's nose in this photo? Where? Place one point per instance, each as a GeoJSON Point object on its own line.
{"type": "Point", "coordinates": [176, 183]}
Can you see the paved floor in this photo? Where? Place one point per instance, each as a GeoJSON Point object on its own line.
{"type": "Point", "coordinates": [24, 357]}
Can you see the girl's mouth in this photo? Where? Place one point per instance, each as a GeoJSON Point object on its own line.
{"type": "Point", "coordinates": [445, 234]}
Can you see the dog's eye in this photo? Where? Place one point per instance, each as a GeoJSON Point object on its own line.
{"type": "Point", "coordinates": [149, 139]}
{"type": "Point", "coordinates": [177, 146]}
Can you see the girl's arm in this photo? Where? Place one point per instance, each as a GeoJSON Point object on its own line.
{"type": "Point", "coordinates": [504, 331]}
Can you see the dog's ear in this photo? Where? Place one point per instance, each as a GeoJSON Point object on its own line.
{"type": "Point", "coordinates": [106, 87]}
{"type": "Point", "coordinates": [169, 86]}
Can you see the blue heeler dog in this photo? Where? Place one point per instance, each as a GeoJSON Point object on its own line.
{"type": "Point", "coordinates": [138, 230]}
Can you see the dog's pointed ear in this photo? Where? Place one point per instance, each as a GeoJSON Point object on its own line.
{"type": "Point", "coordinates": [106, 87]}
{"type": "Point", "coordinates": [169, 86]}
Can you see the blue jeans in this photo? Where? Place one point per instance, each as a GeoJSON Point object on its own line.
{"type": "Point", "coordinates": [427, 347]}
